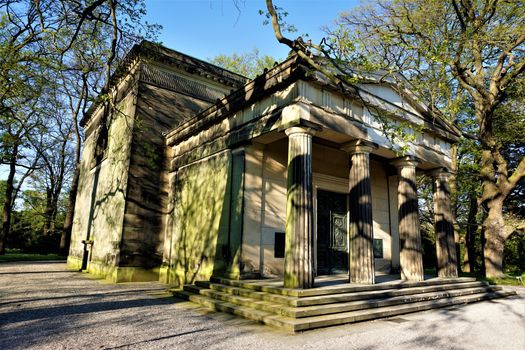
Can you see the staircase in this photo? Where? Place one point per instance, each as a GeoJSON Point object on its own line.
{"type": "Point", "coordinates": [333, 301]}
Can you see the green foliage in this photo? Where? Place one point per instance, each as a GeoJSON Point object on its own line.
{"type": "Point", "coordinates": [424, 42]}
{"type": "Point", "coordinates": [517, 280]}
{"type": "Point", "coordinates": [17, 255]}
{"type": "Point", "coordinates": [250, 64]}
{"type": "Point", "coordinates": [514, 254]}
{"type": "Point", "coordinates": [55, 57]}
{"type": "Point", "coordinates": [465, 60]}
{"type": "Point", "coordinates": [282, 14]}
{"type": "Point", "coordinates": [28, 222]}
{"type": "Point", "coordinates": [3, 185]}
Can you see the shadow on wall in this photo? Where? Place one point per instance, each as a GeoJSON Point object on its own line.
{"type": "Point", "coordinates": [206, 235]}
{"type": "Point", "coordinates": [201, 223]}
{"type": "Point", "coordinates": [103, 176]}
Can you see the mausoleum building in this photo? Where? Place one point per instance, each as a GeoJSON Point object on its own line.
{"type": "Point", "coordinates": [195, 171]}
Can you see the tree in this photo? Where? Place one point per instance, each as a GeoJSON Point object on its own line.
{"type": "Point", "coordinates": [43, 45]}
{"type": "Point", "coordinates": [249, 64]}
{"type": "Point", "coordinates": [21, 84]}
{"type": "Point", "coordinates": [55, 162]}
{"type": "Point", "coordinates": [452, 53]}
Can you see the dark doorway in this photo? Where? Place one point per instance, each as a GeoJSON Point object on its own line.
{"type": "Point", "coordinates": [332, 234]}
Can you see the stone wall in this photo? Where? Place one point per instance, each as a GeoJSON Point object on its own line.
{"type": "Point", "coordinates": [381, 215]}
{"type": "Point", "coordinates": [122, 202]}
{"type": "Point", "coordinates": [158, 109]}
{"type": "Point", "coordinates": [101, 197]}
{"type": "Point", "coordinates": [253, 201]}
{"type": "Point", "coordinates": [201, 219]}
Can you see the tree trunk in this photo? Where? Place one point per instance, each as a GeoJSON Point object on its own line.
{"type": "Point", "coordinates": [54, 206]}
{"type": "Point", "coordinates": [470, 259]}
{"type": "Point", "coordinates": [465, 265]}
{"type": "Point", "coordinates": [65, 238]}
{"type": "Point", "coordinates": [8, 202]}
{"type": "Point", "coordinates": [494, 239]}
{"type": "Point", "coordinates": [495, 184]}
{"type": "Point", "coordinates": [48, 212]}
{"type": "Point", "coordinates": [482, 252]}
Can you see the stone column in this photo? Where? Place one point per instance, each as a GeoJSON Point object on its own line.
{"type": "Point", "coordinates": [361, 235]}
{"type": "Point", "coordinates": [411, 252]}
{"type": "Point", "coordinates": [298, 259]}
{"type": "Point", "coordinates": [444, 226]}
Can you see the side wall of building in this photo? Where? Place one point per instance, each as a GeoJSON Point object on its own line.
{"type": "Point", "coordinates": [123, 201]}
{"type": "Point", "coordinates": [158, 109]}
{"type": "Point", "coordinates": [101, 197]}
{"type": "Point", "coordinates": [201, 219]}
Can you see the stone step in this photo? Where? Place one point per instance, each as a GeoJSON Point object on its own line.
{"type": "Point", "coordinates": [306, 323]}
{"type": "Point", "coordinates": [262, 305]}
{"type": "Point", "coordinates": [382, 312]}
{"type": "Point", "coordinates": [248, 293]}
{"type": "Point", "coordinates": [307, 311]}
{"type": "Point", "coordinates": [374, 294]}
{"type": "Point", "coordinates": [335, 298]}
{"type": "Point", "coordinates": [275, 286]}
{"type": "Point", "coordinates": [217, 305]}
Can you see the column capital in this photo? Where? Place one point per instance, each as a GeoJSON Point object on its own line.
{"type": "Point", "coordinates": [406, 161]}
{"type": "Point", "coordinates": [440, 173]}
{"type": "Point", "coordinates": [359, 146]}
{"type": "Point", "coordinates": [300, 130]}
{"type": "Point", "coordinates": [301, 124]}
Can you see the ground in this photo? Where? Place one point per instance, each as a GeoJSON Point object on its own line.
{"type": "Point", "coordinates": [44, 306]}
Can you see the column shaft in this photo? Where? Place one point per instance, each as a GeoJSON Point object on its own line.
{"type": "Point", "coordinates": [361, 246]}
{"type": "Point", "coordinates": [443, 223]}
{"type": "Point", "coordinates": [298, 262]}
{"type": "Point", "coordinates": [411, 252]}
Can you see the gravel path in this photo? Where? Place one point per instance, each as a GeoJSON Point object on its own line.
{"type": "Point", "coordinates": [44, 306]}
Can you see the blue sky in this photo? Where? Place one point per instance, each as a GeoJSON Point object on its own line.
{"type": "Point", "coordinates": [207, 28]}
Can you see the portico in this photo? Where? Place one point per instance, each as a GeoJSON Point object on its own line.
{"type": "Point", "coordinates": [309, 137]}
{"type": "Point", "coordinates": [301, 234]}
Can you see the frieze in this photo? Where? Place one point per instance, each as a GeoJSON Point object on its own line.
{"type": "Point", "coordinates": [159, 77]}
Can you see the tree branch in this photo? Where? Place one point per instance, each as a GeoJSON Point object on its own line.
{"type": "Point", "coordinates": [516, 176]}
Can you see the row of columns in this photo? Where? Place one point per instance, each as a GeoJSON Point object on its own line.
{"type": "Point", "coordinates": [299, 264]}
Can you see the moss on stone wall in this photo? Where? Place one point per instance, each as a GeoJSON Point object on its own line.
{"type": "Point", "coordinates": [101, 196]}
{"type": "Point", "coordinates": [201, 220]}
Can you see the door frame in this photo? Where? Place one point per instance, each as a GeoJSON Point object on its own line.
{"type": "Point", "coordinates": [332, 184]}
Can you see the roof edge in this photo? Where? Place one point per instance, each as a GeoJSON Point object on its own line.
{"type": "Point", "coordinates": [158, 53]}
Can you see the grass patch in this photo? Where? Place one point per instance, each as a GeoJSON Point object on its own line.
{"type": "Point", "coordinates": [508, 280]}
{"type": "Point", "coordinates": [17, 256]}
